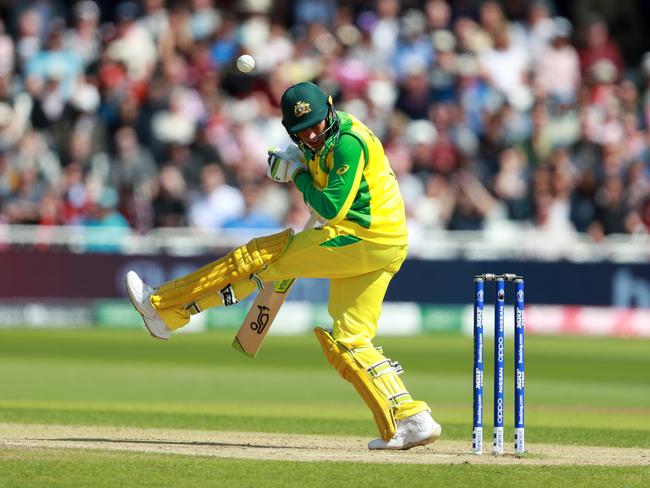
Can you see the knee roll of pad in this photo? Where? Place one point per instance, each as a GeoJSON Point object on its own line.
{"type": "Point", "coordinates": [372, 375]}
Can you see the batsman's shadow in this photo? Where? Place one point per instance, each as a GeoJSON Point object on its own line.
{"type": "Point", "coordinates": [175, 443]}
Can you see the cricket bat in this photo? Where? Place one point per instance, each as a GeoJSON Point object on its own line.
{"type": "Point", "coordinates": [265, 308]}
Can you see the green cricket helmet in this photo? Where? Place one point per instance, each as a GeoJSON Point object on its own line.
{"type": "Point", "coordinates": [305, 105]}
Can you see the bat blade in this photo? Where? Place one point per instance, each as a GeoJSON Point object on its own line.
{"type": "Point", "coordinates": [261, 315]}
{"type": "Point", "coordinates": [265, 308]}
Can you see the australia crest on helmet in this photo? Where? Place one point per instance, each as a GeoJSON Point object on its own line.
{"type": "Point", "coordinates": [301, 108]}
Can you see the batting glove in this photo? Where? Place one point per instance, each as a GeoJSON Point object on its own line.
{"type": "Point", "coordinates": [285, 165]}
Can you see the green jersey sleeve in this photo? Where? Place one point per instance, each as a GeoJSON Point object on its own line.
{"type": "Point", "coordinates": [334, 201]}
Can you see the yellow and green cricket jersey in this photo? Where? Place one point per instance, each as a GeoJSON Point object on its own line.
{"type": "Point", "coordinates": [353, 186]}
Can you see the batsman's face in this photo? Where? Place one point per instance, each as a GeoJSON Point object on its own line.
{"type": "Point", "coordinates": [313, 136]}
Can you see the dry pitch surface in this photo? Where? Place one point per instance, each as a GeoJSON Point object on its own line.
{"type": "Point", "coordinates": [285, 447]}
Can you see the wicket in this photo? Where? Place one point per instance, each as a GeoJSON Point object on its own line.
{"type": "Point", "coordinates": [499, 350]}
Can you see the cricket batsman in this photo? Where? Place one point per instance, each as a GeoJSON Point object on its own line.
{"type": "Point", "coordinates": [339, 166]}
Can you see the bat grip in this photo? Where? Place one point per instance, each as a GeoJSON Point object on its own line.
{"type": "Point", "coordinates": [314, 218]}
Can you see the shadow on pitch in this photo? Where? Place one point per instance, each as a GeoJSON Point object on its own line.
{"type": "Point", "coordinates": [175, 443]}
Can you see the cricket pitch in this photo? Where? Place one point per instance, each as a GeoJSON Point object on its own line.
{"type": "Point", "coordinates": [289, 447]}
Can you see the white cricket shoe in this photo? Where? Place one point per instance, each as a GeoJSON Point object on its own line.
{"type": "Point", "coordinates": [417, 430]}
{"type": "Point", "coordinates": [139, 293]}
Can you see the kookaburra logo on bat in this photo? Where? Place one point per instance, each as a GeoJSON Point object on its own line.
{"type": "Point", "coordinates": [262, 319]}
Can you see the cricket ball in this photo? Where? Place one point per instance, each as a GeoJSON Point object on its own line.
{"type": "Point", "coordinates": [245, 63]}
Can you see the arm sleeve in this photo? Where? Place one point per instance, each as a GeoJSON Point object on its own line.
{"type": "Point", "coordinates": [334, 201]}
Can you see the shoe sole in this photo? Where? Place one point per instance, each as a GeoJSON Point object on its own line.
{"type": "Point", "coordinates": [429, 440]}
{"type": "Point", "coordinates": [424, 442]}
{"type": "Point", "coordinates": [132, 300]}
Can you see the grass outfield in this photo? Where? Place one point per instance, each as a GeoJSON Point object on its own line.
{"type": "Point", "coordinates": [579, 391]}
{"type": "Point", "coordinates": [63, 469]}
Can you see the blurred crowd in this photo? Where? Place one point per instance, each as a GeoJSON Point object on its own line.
{"type": "Point", "coordinates": [133, 115]}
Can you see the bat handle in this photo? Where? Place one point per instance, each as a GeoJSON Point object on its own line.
{"type": "Point", "coordinates": [314, 218]}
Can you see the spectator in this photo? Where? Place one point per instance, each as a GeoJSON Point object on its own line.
{"type": "Point", "coordinates": [315, 11]}
{"type": "Point", "coordinates": [433, 209]}
{"type": "Point", "coordinates": [176, 39]}
{"type": "Point", "coordinates": [398, 152]}
{"type": "Point", "coordinates": [78, 119]}
{"type": "Point", "coordinates": [217, 202]}
{"type": "Point", "coordinates": [275, 50]}
{"type": "Point", "coordinates": [55, 66]}
{"type": "Point", "coordinates": [133, 45]}
{"type": "Point", "coordinates": [637, 184]}
{"type": "Point", "coordinates": [28, 44]}
{"type": "Point", "coordinates": [49, 101]}
{"type": "Point", "coordinates": [473, 94]}
{"type": "Point", "coordinates": [413, 44]}
{"type": "Point", "coordinates": [155, 20]}
{"type": "Point", "coordinates": [598, 46]}
{"type": "Point", "coordinates": [635, 140]}
{"type": "Point", "coordinates": [84, 38]}
{"type": "Point", "coordinates": [471, 38]}
{"type": "Point", "coordinates": [50, 210]}
{"type": "Point", "coordinates": [7, 54]}
{"type": "Point", "coordinates": [644, 216]}
{"type": "Point", "coordinates": [421, 136]}
{"type": "Point", "coordinates": [32, 152]}
{"type": "Point", "coordinates": [538, 146]}
{"type": "Point", "coordinates": [611, 209]}
{"type": "Point", "coordinates": [549, 124]}
{"type": "Point", "coordinates": [628, 95]}
{"type": "Point", "coordinates": [106, 228]}
{"type": "Point", "coordinates": [132, 165]}
{"type": "Point", "coordinates": [583, 208]}
{"type": "Point", "coordinates": [585, 153]}
{"type": "Point", "coordinates": [169, 205]}
{"type": "Point", "coordinates": [443, 72]}
{"type": "Point", "coordinates": [77, 203]}
{"type": "Point", "coordinates": [510, 184]}
{"type": "Point", "coordinates": [22, 206]}
{"type": "Point", "coordinates": [558, 208]}
{"type": "Point", "coordinates": [506, 67]}
{"type": "Point", "coordinates": [415, 95]}
{"type": "Point", "coordinates": [549, 238]}
{"type": "Point", "coordinates": [645, 73]}
{"type": "Point", "coordinates": [8, 176]}
{"type": "Point", "coordinates": [445, 155]}
{"type": "Point", "coordinates": [540, 28]}
{"type": "Point", "coordinates": [438, 14]}
{"type": "Point", "coordinates": [474, 205]}
{"type": "Point", "coordinates": [492, 143]}
{"type": "Point", "coordinates": [13, 123]}
{"type": "Point", "coordinates": [386, 29]}
{"type": "Point", "coordinates": [557, 69]}
{"type": "Point", "coordinates": [255, 216]}
{"type": "Point", "coordinates": [204, 19]}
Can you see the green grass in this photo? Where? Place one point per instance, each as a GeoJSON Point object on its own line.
{"type": "Point", "coordinates": [59, 468]}
{"type": "Point", "coordinates": [584, 391]}
{"type": "Point", "coordinates": [73, 468]}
